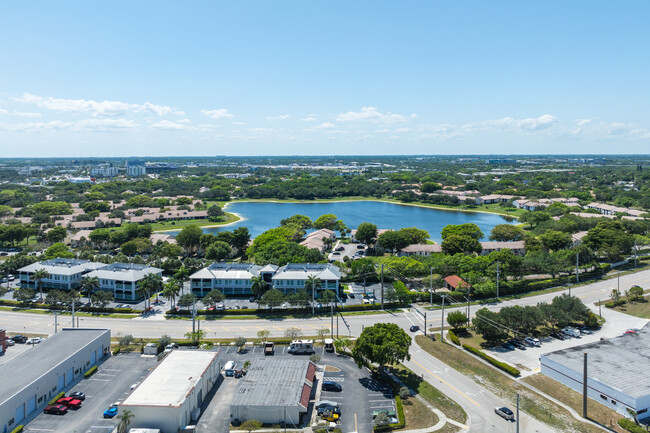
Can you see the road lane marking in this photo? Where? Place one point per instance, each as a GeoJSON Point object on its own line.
{"type": "Point", "coordinates": [446, 383]}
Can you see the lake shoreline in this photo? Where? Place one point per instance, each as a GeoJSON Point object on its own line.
{"type": "Point", "coordinates": [238, 219]}
{"type": "Point", "coordinates": [369, 199]}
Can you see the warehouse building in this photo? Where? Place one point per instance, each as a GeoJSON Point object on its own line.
{"type": "Point", "coordinates": [274, 390]}
{"type": "Point", "coordinates": [170, 398]}
{"type": "Point", "coordinates": [35, 376]}
{"type": "Point", "coordinates": [617, 374]}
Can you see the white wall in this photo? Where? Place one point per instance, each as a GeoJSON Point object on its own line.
{"type": "Point", "coordinates": [266, 414]}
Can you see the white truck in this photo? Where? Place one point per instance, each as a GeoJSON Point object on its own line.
{"type": "Point", "coordinates": [301, 347]}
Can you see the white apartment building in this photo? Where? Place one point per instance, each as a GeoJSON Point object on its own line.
{"type": "Point", "coordinates": [122, 279]}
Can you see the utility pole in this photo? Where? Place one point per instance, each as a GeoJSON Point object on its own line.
{"type": "Point", "coordinates": [425, 323]}
{"type": "Point", "coordinates": [442, 319]}
{"type": "Point", "coordinates": [497, 279]}
{"type": "Point", "coordinates": [73, 302]}
{"type": "Point", "coordinates": [517, 413]}
{"type": "Point", "coordinates": [618, 282]}
{"type": "Point", "coordinates": [332, 320]}
{"type": "Point", "coordinates": [584, 387]}
{"type": "Point", "coordinates": [55, 321]}
{"type": "Point", "coordinates": [600, 309]}
{"type": "Point", "coordinates": [194, 318]}
{"type": "Point", "coordinates": [313, 298]}
{"type": "Point", "coordinates": [635, 253]}
{"type": "Point", "coordinates": [382, 287]}
{"type": "Point", "coordinates": [577, 266]}
{"type": "Point", "coordinates": [431, 287]}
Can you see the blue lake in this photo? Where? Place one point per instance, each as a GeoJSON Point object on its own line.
{"type": "Point", "coordinates": [259, 217]}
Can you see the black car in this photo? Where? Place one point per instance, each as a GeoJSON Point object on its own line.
{"type": "Point", "coordinates": [558, 335]}
{"type": "Point", "coordinates": [21, 339]}
{"type": "Point", "coordinates": [332, 386]}
{"type": "Point", "coordinates": [414, 328]}
{"type": "Point", "coordinates": [518, 344]}
{"type": "Point", "coordinates": [252, 299]}
{"type": "Point", "coordinates": [78, 395]}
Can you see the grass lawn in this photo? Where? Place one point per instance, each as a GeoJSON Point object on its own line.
{"type": "Point", "coordinates": [177, 225]}
{"type": "Point", "coordinates": [530, 402]}
{"type": "Point", "coordinates": [596, 411]}
{"type": "Point", "coordinates": [68, 313]}
{"type": "Point", "coordinates": [640, 308]}
{"type": "Point", "coordinates": [430, 393]}
{"type": "Point", "coordinates": [417, 415]}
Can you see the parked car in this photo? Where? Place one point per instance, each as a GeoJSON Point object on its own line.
{"type": "Point", "coordinates": [56, 409]}
{"type": "Point", "coordinates": [351, 295]}
{"type": "Point", "coordinates": [571, 332]}
{"type": "Point", "coordinates": [20, 339]}
{"type": "Point", "coordinates": [336, 253]}
{"type": "Point", "coordinates": [333, 409]}
{"type": "Point", "coordinates": [111, 411]}
{"type": "Point", "coordinates": [504, 413]}
{"type": "Point", "coordinates": [532, 342]}
{"type": "Point", "coordinates": [508, 346]}
{"type": "Point", "coordinates": [171, 346]}
{"type": "Point", "coordinates": [35, 340]}
{"type": "Point", "coordinates": [78, 395]}
{"type": "Point", "coordinates": [389, 413]}
{"type": "Point", "coordinates": [414, 328]}
{"type": "Point", "coordinates": [252, 299]}
{"type": "Point", "coordinates": [518, 344]}
{"type": "Point", "coordinates": [558, 335]}
{"type": "Point", "coordinates": [70, 402]}
{"type": "Point", "coordinates": [324, 403]}
{"type": "Point", "coordinates": [332, 386]}
{"type": "Point", "coordinates": [585, 330]}
{"type": "Point", "coordinates": [340, 249]}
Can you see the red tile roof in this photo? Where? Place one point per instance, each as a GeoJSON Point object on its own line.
{"type": "Point", "coordinates": [455, 281]}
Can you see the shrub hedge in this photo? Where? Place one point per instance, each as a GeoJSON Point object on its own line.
{"type": "Point", "coordinates": [18, 429]}
{"type": "Point", "coordinates": [498, 364]}
{"type": "Point", "coordinates": [56, 397]}
{"type": "Point", "coordinates": [283, 311]}
{"type": "Point", "coordinates": [116, 351]}
{"type": "Point", "coordinates": [630, 426]}
{"type": "Point", "coordinates": [400, 419]}
{"type": "Point", "coordinates": [90, 372]}
{"type": "Point", "coordinates": [453, 337]}
{"type": "Point", "coordinates": [13, 303]}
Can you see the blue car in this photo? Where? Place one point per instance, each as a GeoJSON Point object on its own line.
{"type": "Point", "coordinates": [111, 411]}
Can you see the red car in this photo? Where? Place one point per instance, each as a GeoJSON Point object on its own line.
{"type": "Point", "coordinates": [70, 402]}
{"type": "Point", "coordinates": [56, 409]}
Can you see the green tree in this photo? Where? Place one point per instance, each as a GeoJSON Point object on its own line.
{"type": "Point", "coordinates": [124, 420]}
{"type": "Point", "coordinates": [506, 233]}
{"type": "Point", "coordinates": [314, 283]}
{"type": "Point", "coordinates": [615, 296]}
{"type": "Point", "coordinates": [258, 286]}
{"type": "Point", "coordinates": [250, 425]}
{"type": "Point", "coordinates": [263, 335]}
{"type": "Point", "coordinates": [164, 340]}
{"type": "Point", "coordinates": [218, 250]}
{"type": "Point", "coordinates": [488, 324]}
{"type": "Point", "coordinates": [240, 239]}
{"type": "Point", "coordinates": [58, 250]}
{"type": "Point", "coordinates": [302, 221]}
{"type": "Point", "coordinates": [213, 297]}
{"type": "Point", "coordinates": [636, 292]}
{"type": "Point", "coordinates": [89, 285]}
{"type": "Point", "coordinates": [240, 342]}
{"type": "Point", "coordinates": [455, 244]}
{"type": "Point", "coordinates": [24, 294]}
{"type": "Point", "coordinates": [468, 229]}
{"type": "Point", "coordinates": [56, 234]}
{"type": "Point", "coordinates": [292, 333]}
{"type": "Point", "coordinates": [189, 238]}
{"type": "Point", "coordinates": [101, 298]}
{"type": "Point", "coordinates": [186, 300]}
{"type": "Point", "coordinates": [272, 298]}
{"type": "Point", "coordinates": [366, 233]}
{"type": "Point", "coordinates": [171, 290]}
{"type": "Point", "coordinates": [150, 283]}
{"type": "Point", "coordinates": [196, 336]}
{"type": "Point", "coordinates": [382, 344]}
{"type": "Point", "coordinates": [456, 319]}
{"type": "Point", "coordinates": [554, 240]}
{"type": "Point", "coordinates": [327, 221]}
{"type": "Point", "coordinates": [38, 276]}
{"type": "Point", "coordinates": [215, 213]}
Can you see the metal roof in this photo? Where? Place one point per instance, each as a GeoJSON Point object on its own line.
{"type": "Point", "coordinates": [300, 271]}
{"type": "Point", "coordinates": [63, 266]}
{"type": "Point", "coordinates": [28, 367]}
{"type": "Point", "coordinates": [618, 362]}
{"type": "Point", "coordinates": [124, 272]}
{"type": "Point", "coordinates": [274, 382]}
{"type": "Point", "coordinates": [172, 380]}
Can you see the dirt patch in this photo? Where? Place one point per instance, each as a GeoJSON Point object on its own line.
{"type": "Point", "coordinates": [331, 369]}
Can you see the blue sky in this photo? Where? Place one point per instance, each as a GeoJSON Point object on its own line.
{"type": "Point", "coordinates": [320, 78]}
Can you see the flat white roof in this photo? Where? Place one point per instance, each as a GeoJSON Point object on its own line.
{"type": "Point", "coordinates": [173, 379]}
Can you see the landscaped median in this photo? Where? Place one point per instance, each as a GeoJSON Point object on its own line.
{"type": "Point", "coordinates": [486, 376]}
{"type": "Point", "coordinates": [498, 364]}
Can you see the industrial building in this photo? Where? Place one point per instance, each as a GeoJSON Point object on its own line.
{"type": "Point", "coordinates": [35, 376]}
{"type": "Point", "coordinates": [170, 397]}
{"type": "Point", "coordinates": [274, 391]}
{"type": "Point", "coordinates": [616, 371]}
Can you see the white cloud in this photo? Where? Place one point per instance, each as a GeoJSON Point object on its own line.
{"type": "Point", "coordinates": [508, 123]}
{"type": "Point", "coordinates": [309, 118]}
{"type": "Point", "coordinates": [23, 114]}
{"type": "Point", "coordinates": [373, 115]}
{"type": "Point", "coordinates": [3, 111]}
{"type": "Point", "coordinates": [103, 108]}
{"type": "Point", "coordinates": [239, 123]}
{"type": "Point", "coordinates": [76, 126]}
{"type": "Point", "coordinates": [281, 117]}
{"type": "Point", "coordinates": [220, 113]}
{"type": "Point", "coordinates": [169, 125]}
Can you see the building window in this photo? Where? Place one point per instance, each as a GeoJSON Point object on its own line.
{"type": "Point", "coordinates": [642, 411]}
{"type": "Point", "coordinates": [11, 421]}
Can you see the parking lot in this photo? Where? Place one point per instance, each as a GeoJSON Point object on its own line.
{"type": "Point", "coordinates": [110, 384]}
{"type": "Point", "coordinates": [360, 395]}
{"type": "Point", "coordinates": [527, 360]}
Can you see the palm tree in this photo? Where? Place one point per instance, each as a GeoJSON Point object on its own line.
{"type": "Point", "coordinates": [314, 282]}
{"type": "Point", "coordinates": [182, 275]}
{"type": "Point", "coordinates": [40, 274]}
{"type": "Point", "coordinates": [89, 285]}
{"type": "Point", "coordinates": [125, 421]}
{"type": "Point", "coordinates": [150, 283]}
{"type": "Point", "coordinates": [258, 286]}
{"type": "Point", "coordinates": [171, 290]}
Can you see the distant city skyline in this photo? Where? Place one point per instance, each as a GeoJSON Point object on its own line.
{"type": "Point", "coordinates": [313, 78]}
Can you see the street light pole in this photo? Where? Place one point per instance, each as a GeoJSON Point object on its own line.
{"type": "Point", "coordinates": [497, 279]}
{"type": "Point", "coordinates": [577, 267]}
{"type": "Point", "coordinates": [382, 287]}
{"type": "Point", "coordinates": [431, 287]}
{"type": "Point", "coordinates": [442, 319]}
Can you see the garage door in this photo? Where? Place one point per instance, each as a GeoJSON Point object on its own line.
{"type": "Point", "coordinates": [61, 383]}
{"type": "Point", "coordinates": [31, 405]}
{"type": "Point", "coordinates": [69, 376]}
{"type": "Point", "coordinates": [93, 358]}
{"type": "Point", "coordinates": [20, 413]}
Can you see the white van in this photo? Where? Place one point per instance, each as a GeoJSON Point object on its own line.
{"type": "Point", "coordinates": [229, 368]}
{"type": "Point", "coordinates": [571, 332]}
{"type": "Point", "coordinates": [300, 347]}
